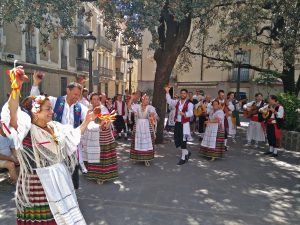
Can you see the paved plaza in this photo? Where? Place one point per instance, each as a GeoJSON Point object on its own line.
{"type": "Point", "coordinates": [245, 187]}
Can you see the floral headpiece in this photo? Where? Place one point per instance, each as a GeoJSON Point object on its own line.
{"type": "Point", "coordinates": [37, 102]}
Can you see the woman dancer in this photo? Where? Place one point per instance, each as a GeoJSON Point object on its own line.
{"type": "Point", "coordinates": [100, 154]}
{"type": "Point", "coordinates": [142, 144]}
{"type": "Point", "coordinates": [212, 145]}
{"type": "Point", "coordinates": [46, 151]}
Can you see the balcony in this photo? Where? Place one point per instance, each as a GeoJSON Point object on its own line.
{"type": "Point", "coordinates": [64, 62]}
{"type": "Point", "coordinates": [119, 75]}
{"type": "Point", "coordinates": [119, 53]}
{"type": "Point", "coordinates": [244, 75]}
{"type": "Point", "coordinates": [82, 64]}
{"type": "Point", "coordinates": [30, 54]}
{"type": "Point", "coordinates": [104, 72]}
{"type": "Point", "coordinates": [103, 42]}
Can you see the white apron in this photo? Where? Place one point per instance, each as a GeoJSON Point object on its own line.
{"type": "Point", "coordinates": [58, 186]}
{"type": "Point", "coordinates": [143, 140]}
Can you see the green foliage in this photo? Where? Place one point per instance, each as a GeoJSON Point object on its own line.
{"type": "Point", "coordinates": [290, 104]}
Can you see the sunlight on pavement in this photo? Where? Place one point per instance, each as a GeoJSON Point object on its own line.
{"type": "Point", "coordinates": [122, 187]}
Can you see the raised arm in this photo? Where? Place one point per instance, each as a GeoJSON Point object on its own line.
{"type": "Point", "coordinates": [170, 101]}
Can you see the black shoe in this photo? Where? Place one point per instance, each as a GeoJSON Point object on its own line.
{"type": "Point", "coordinates": [125, 138]}
{"type": "Point", "coordinates": [274, 155]}
{"type": "Point", "coordinates": [187, 157]}
{"type": "Point", "coordinates": [226, 148]}
{"type": "Point", "coordinates": [268, 153]}
{"type": "Point", "coordinates": [181, 162]}
{"type": "Point", "coordinates": [200, 138]}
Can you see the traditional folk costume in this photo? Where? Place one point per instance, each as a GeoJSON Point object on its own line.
{"type": "Point", "coordinates": [231, 119]}
{"type": "Point", "coordinates": [274, 128]}
{"type": "Point", "coordinates": [71, 115]}
{"type": "Point", "coordinates": [202, 117]}
{"type": "Point", "coordinates": [44, 191]}
{"type": "Point", "coordinates": [99, 152]}
{"type": "Point", "coordinates": [212, 145]}
{"type": "Point", "coordinates": [143, 137]}
{"type": "Point", "coordinates": [224, 108]}
{"type": "Point", "coordinates": [182, 132]}
{"type": "Point", "coordinates": [122, 114]}
{"type": "Point", "coordinates": [171, 118]}
{"type": "Point", "coordinates": [256, 128]}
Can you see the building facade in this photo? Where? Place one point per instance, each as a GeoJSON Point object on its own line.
{"type": "Point", "coordinates": [63, 60]}
{"type": "Point", "coordinates": [210, 76]}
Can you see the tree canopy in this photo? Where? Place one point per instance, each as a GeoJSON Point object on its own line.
{"type": "Point", "coordinates": [180, 27]}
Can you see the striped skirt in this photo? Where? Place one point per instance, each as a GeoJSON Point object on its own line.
{"type": "Point", "coordinates": [218, 151]}
{"type": "Point", "coordinates": [107, 167]}
{"type": "Point", "coordinates": [39, 212]}
{"type": "Point", "coordinates": [142, 155]}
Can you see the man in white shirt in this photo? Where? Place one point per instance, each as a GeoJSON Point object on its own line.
{"type": "Point", "coordinates": [274, 119]}
{"type": "Point", "coordinates": [182, 131]}
{"type": "Point", "coordinates": [256, 126]}
{"type": "Point", "coordinates": [8, 156]}
{"type": "Point", "coordinates": [84, 99]}
{"type": "Point", "coordinates": [67, 110]}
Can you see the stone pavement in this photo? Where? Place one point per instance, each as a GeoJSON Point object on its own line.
{"type": "Point", "coordinates": [245, 187]}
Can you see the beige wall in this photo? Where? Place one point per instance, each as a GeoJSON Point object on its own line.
{"type": "Point", "coordinates": [13, 35]}
{"type": "Point", "coordinates": [72, 52]}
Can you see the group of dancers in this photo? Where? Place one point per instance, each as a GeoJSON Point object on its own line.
{"type": "Point", "coordinates": [218, 119]}
{"type": "Point", "coordinates": [56, 136]}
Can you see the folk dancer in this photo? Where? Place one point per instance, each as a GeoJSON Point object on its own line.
{"type": "Point", "coordinates": [46, 151]}
{"type": "Point", "coordinates": [121, 118]}
{"type": "Point", "coordinates": [182, 132]}
{"type": "Point", "coordinates": [222, 102]}
{"type": "Point", "coordinates": [99, 147]}
{"type": "Point", "coordinates": [67, 110]}
{"type": "Point", "coordinates": [84, 98]}
{"type": "Point", "coordinates": [274, 114]}
{"type": "Point", "coordinates": [193, 119]}
{"type": "Point", "coordinates": [232, 106]}
{"type": "Point", "coordinates": [212, 145]}
{"type": "Point", "coordinates": [171, 117]}
{"type": "Point", "coordinates": [143, 136]}
{"type": "Point", "coordinates": [256, 128]}
{"type": "Point", "coordinates": [201, 112]}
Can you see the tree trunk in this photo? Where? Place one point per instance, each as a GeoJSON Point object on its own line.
{"type": "Point", "coordinates": [171, 42]}
{"type": "Point", "coordinates": [288, 72]}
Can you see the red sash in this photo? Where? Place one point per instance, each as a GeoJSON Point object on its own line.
{"type": "Point", "coordinates": [254, 118]}
{"type": "Point", "coordinates": [277, 130]}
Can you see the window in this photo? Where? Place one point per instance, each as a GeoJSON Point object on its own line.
{"type": "Point", "coordinates": [63, 85]}
{"type": "Point", "coordinates": [244, 72]}
{"type": "Point", "coordinates": [79, 51]}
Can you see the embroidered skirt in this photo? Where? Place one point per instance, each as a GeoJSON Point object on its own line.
{"type": "Point", "coordinates": [218, 150]}
{"type": "Point", "coordinates": [107, 167]}
{"type": "Point", "coordinates": [142, 155]}
{"type": "Point", "coordinates": [39, 212]}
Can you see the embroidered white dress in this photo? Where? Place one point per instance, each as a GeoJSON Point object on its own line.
{"type": "Point", "coordinates": [50, 157]}
{"type": "Point", "coordinates": [143, 136]}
